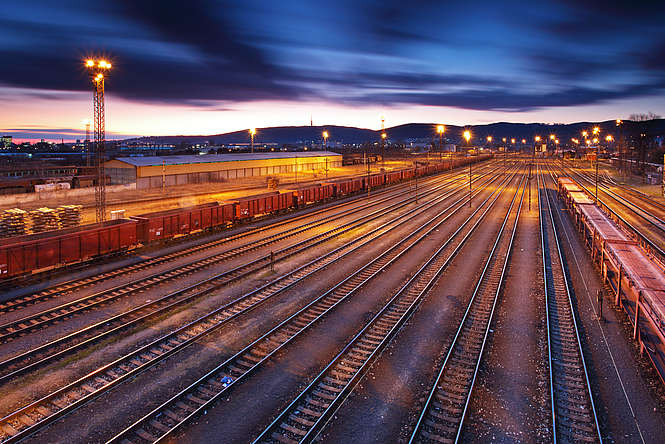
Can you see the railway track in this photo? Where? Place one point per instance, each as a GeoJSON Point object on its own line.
{"type": "Point", "coordinates": [644, 214]}
{"type": "Point", "coordinates": [22, 326]}
{"type": "Point", "coordinates": [202, 394]}
{"type": "Point", "coordinates": [574, 416]}
{"type": "Point", "coordinates": [305, 416]}
{"type": "Point", "coordinates": [77, 284]}
{"type": "Point", "coordinates": [89, 335]}
{"type": "Point", "coordinates": [445, 409]}
{"type": "Point", "coordinates": [38, 414]}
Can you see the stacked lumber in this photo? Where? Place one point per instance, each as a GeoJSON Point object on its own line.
{"type": "Point", "coordinates": [69, 216]}
{"type": "Point", "coordinates": [44, 219]}
{"type": "Point", "coordinates": [13, 222]}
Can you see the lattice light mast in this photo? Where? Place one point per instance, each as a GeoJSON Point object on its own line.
{"type": "Point", "coordinates": [97, 68]}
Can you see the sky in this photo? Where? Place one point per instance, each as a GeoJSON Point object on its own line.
{"type": "Point", "coordinates": [209, 67]}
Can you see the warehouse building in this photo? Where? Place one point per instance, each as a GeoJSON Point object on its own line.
{"type": "Point", "coordinates": [151, 172]}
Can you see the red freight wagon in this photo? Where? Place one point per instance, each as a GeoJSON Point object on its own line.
{"type": "Point", "coordinates": [408, 174]}
{"type": "Point", "coordinates": [177, 222]}
{"type": "Point", "coordinates": [393, 177]}
{"type": "Point", "coordinates": [377, 180]}
{"type": "Point", "coordinates": [345, 187]}
{"type": "Point", "coordinates": [34, 252]}
{"type": "Point", "coordinates": [272, 202]}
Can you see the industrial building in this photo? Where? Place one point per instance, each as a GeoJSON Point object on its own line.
{"type": "Point", "coordinates": [153, 172]}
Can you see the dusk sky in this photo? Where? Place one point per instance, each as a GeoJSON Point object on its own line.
{"type": "Point", "coordinates": [207, 67]}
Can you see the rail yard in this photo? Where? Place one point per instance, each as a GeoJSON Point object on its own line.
{"type": "Point", "coordinates": [498, 301]}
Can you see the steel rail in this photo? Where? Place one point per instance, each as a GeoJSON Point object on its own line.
{"type": "Point", "coordinates": [173, 414]}
{"type": "Point", "coordinates": [35, 321]}
{"type": "Point", "coordinates": [307, 414]}
{"type": "Point", "coordinates": [647, 216]}
{"type": "Point", "coordinates": [38, 414]}
{"type": "Point", "coordinates": [443, 414]}
{"type": "Point", "coordinates": [30, 359]}
{"type": "Point", "coordinates": [72, 285]}
{"type": "Point", "coordinates": [574, 417]}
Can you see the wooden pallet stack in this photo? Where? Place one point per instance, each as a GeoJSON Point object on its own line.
{"type": "Point", "coordinates": [44, 219]}
{"type": "Point", "coordinates": [13, 222]}
{"type": "Point", "coordinates": [69, 215]}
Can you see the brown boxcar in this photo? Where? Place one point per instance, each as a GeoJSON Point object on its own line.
{"type": "Point", "coordinates": [258, 205]}
{"type": "Point", "coordinates": [37, 252]}
{"type": "Point", "coordinates": [177, 222]}
{"type": "Point", "coordinates": [377, 180]}
{"type": "Point", "coordinates": [348, 186]}
{"type": "Point", "coordinates": [393, 177]}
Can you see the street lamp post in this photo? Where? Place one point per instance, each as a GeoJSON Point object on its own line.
{"type": "Point", "coordinates": [533, 160]}
{"type": "Point", "coordinates": [622, 159]}
{"type": "Point", "coordinates": [325, 148]}
{"type": "Point", "coordinates": [596, 131]}
{"type": "Point", "coordinates": [252, 132]}
{"type": "Point", "coordinates": [440, 129]}
{"type": "Point", "coordinates": [467, 136]}
{"type": "Point", "coordinates": [383, 149]}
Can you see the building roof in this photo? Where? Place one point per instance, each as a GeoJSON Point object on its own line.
{"type": "Point", "coordinates": [214, 158]}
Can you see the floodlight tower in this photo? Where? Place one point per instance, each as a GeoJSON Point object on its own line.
{"type": "Point", "coordinates": [96, 68]}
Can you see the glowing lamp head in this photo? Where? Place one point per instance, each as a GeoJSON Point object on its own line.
{"type": "Point", "coordinates": [619, 122]}
{"type": "Point", "coordinates": [556, 141]}
{"type": "Point", "coordinates": [89, 63]}
{"type": "Point", "coordinates": [489, 138]}
{"type": "Point", "coordinates": [440, 129]}
{"type": "Point", "coordinates": [325, 134]}
{"type": "Point", "coordinates": [609, 138]}
{"type": "Point", "coordinates": [503, 140]}
{"type": "Point", "coordinates": [537, 138]}
{"type": "Point", "coordinates": [523, 140]}
{"type": "Point", "coordinates": [252, 131]}
{"type": "Point", "coordinates": [512, 141]}
{"type": "Point", "coordinates": [384, 135]}
{"type": "Point", "coordinates": [584, 133]}
{"type": "Point", "coordinates": [467, 135]}
{"type": "Point", "coordinates": [552, 137]}
{"type": "Point", "coordinates": [595, 140]}
{"type": "Point", "coordinates": [588, 142]}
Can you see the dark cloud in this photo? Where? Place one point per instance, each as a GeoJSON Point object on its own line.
{"type": "Point", "coordinates": [507, 100]}
{"type": "Point", "coordinates": [204, 52]}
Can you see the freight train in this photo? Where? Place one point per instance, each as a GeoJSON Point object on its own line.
{"type": "Point", "coordinates": [22, 255]}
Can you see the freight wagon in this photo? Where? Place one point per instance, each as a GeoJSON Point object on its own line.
{"type": "Point", "coordinates": [636, 278]}
{"type": "Point", "coordinates": [262, 204]}
{"type": "Point", "coordinates": [39, 252]}
{"type": "Point", "coordinates": [181, 221]}
{"type": "Point", "coordinates": [309, 195]}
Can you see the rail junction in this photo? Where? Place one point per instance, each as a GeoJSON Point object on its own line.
{"type": "Point", "coordinates": [424, 306]}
